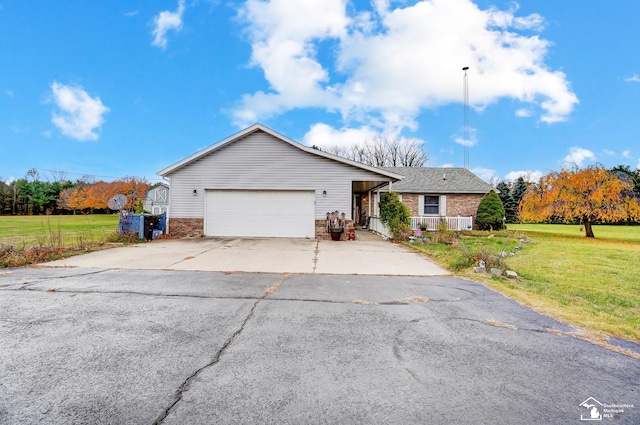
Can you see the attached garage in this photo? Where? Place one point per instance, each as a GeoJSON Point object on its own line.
{"type": "Point", "coordinates": [258, 183]}
{"type": "Point", "coordinates": [260, 213]}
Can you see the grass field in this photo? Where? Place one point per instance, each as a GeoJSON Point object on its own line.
{"type": "Point", "coordinates": [69, 230]}
{"type": "Point", "coordinates": [622, 233]}
{"type": "Point", "coordinates": [593, 284]}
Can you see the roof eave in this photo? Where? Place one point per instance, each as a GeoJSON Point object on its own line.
{"type": "Point", "coordinates": [457, 192]}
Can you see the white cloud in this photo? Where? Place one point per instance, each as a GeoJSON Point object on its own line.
{"type": "Point", "coordinates": [471, 140]}
{"type": "Point", "coordinates": [9, 93]}
{"type": "Point", "coordinates": [79, 116]}
{"type": "Point", "coordinates": [485, 174]}
{"type": "Point", "coordinates": [635, 78]}
{"type": "Point", "coordinates": [46, 133]}
{"type": "Point", "coordinates": [167, 21]}
{"type": "Point", "coordinates": [524, 113]}
{"type": "Point", "coordinates": [577, 156]}
{"type": "Point", "coordinates": [323, 135]}
{"type": "Point", "coordinates": [132, 13]}
{"type": "Point", "coordinates": [390, 63]}
{"type": "Point", "coordinates": [608, 152]}
{"type": "Point", "coordinates": [447, 165]}
{"type": "Point", "coordinates": [626, 154]}
{"type": "Point", "coordinates": [528, 175]}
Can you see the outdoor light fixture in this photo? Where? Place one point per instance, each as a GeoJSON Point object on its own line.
{"type": "Point", "coordinates": [195, 192]}
{"type": "Point", "coordinates": [324, 193]}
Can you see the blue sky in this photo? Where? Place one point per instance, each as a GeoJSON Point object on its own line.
{"type": "Point", "coordinates": [126, 88]}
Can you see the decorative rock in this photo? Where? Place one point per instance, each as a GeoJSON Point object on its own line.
{"type": "Point", "coordinates": [512, 274]}
{"type": "Point", "coordinates": [496, 272]}
{"type": "Point", "coordinates": [480, 269]}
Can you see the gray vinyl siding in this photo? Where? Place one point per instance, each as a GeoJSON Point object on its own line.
{"type": "Point", "coordinates": [260, 161]}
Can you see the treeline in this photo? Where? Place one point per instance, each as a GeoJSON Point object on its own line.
{"type": "Point", "coordinates": [33, 196]}
{"type": "Point", "coordinates": [511, 194]}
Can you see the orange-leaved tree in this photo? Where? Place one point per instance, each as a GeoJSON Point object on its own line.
{"type": "Point", "coordinates": [134, 187]}
{"type": "Point", "coordinates": [89, 196]}
{"type": "Point", "coordinates": [584, 195]}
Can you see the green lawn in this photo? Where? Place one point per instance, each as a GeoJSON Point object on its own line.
{"type": "Point", "coordinates": [593, 284]}
{"type": "Point", "coordinates": [623, 233]}
{"type": "Point", "coordinates": [50, 230]}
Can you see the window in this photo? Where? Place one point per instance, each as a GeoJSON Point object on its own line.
{"type": "Point", "coordinates": [431, 204]}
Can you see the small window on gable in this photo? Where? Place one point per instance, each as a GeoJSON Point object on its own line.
{"type": "Point", "coordinates": [431, 204]}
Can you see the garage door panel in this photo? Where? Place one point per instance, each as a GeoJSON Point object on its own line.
{"type": "Point", "coordinates": [248, 213]}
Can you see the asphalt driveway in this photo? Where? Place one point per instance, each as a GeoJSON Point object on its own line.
{"type": "Point", "coordinates": [369, 255]}
{"type": "Point", "coordinates": [99, 346]}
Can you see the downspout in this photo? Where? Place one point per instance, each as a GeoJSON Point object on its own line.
{"type": "Point", "coordinates": [167, 221]}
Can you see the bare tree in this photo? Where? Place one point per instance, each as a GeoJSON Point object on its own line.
{"type": "Point", "coordinates": [33, 173]}
{"type": "Point", "coordinates": [58, 175]}
{"type": "Point", "coordinates": [384, 151]}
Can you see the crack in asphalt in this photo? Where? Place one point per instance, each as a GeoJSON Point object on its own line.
{"type": "Point", "coordinates": [398, 355]}
{"type": "Point", "coordinates": [508, 326]}
{"type": "Point", "coordinates": [217, 297]}
{"type": "Point", "coordinates": [216, 358]}
{"type": "Point", "coordinates": [315, 257]}
{"type": "Point", "coordinates": [25, 285]}
{"type": "Point", "coordinates": [143, 294]}
{"type": "Point", "coordinates": [194, 256]}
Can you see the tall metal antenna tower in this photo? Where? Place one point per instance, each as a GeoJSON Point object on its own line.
{"type": "Point", "coordinates": [465, 129]}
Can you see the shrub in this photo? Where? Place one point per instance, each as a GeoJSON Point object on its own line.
{"type": "Point", "coordinates": [444, 235]}
{"type": "Point", "coordinates": [490, 212]}
{"type": "Point", "coordinates": [125, 238]}
{"type": "Point", "coordinates": [396, 215]}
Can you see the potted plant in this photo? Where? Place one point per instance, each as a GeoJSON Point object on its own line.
{"type": "Point", "coordinates": [335, 224]}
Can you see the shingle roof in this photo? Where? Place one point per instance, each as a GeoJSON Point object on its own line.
{"type": "Point", "coordinates": [438, 180]}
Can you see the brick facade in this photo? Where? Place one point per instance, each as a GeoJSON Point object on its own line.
{"type": "Point", "coordinates": [322, 234]}
{"type": "Point", "coordinates": [411, 201]}
{"type": "Point", "coordinates": [463, 205]}
{"type": "Point", "coordinates": [194, 228]}
{"type": "Point", "coordinates": [186, 227]}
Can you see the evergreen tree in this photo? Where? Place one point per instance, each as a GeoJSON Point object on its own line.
{"type": "Point", "coordinates": [625, 173]}
{"type": "Point", "coordinates": [490, 212]}
{"type": "Point", "coordinates": [519, 188]}
{"type": "Point", "coordinates": [509, 204]}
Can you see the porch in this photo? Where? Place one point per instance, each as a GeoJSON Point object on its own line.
{"type": "Point", "coordinates": [431, 223]}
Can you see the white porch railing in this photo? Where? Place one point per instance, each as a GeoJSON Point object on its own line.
{"type": "Point", "coordinates": [432, 223]}
{"type": "Point", "coordinates": [379, 227]}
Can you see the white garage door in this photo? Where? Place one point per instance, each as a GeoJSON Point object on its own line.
{"type": "Point", "coordinates": [263, 213]}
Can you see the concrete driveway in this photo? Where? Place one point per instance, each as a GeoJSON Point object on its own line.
{"type": "Point", "coordinates": [97, 346]}
{"type": "Point", "coordinates": [369, 255]}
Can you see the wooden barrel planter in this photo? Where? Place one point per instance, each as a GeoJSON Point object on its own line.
{"type": "Point", "coordinates": [336, 233]}
{"type": "Point", "coordinates": [335, 224]}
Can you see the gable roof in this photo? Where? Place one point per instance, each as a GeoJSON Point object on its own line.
{"type": "Point", "coordinates": [259, 127]}
{"type": "Point", "coordinates": [438, 180]}
{"type": "Point", "coordinates": [157, 185]}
